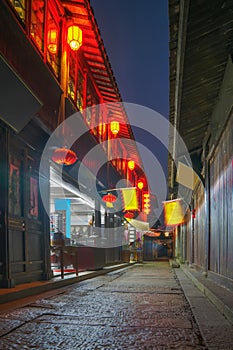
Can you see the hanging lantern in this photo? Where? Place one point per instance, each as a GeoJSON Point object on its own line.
{"type": "Point", "coordinates": [140, 185]}
{"type": "Point", "coordinates": [74, 37]}
{"type": "Point", "coordinates": [109, 198]}
{"type": "Point", "coordinates": [129, 215]}
{"type": "Point", "coordinates": [64, 156]}
{"type": "Point", "coordinates": [146, 203]}
{"type": "Point", "coordinates": [131, 164]}
{"type": "Point", "coordinates": [115, 127]}
{"type": "Point", "coordinates": [52, 40]}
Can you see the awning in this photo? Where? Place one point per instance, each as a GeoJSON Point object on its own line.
{"type": "Point", "coordinates": [139, 225]}
{"type": "Point", "coordinates": [18, 105]}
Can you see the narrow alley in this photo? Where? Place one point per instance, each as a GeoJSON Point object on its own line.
{"type": "Point", "coordinates": [140, 307]}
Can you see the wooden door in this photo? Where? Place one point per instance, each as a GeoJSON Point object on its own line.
{"type": "Point", "coordinates": [25, 224]}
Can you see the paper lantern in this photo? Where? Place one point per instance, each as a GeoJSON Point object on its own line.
{"type": "Point", "coordinates": [129, 215]}
{"type": "Point", "coordinates": [52, 40]}
{"type": "Point", "coordinates": [110, 198]}
{"type": "Point", "coordinates": [115, 127]}
{"type": "Point", "coordinates": [131, 164]}
{"type": "Point", "coordinates": [64, 156]}
{"type": "Point", "coordinates": [74, 37]}
{"type": "Point", "coordinates": [140, 185]}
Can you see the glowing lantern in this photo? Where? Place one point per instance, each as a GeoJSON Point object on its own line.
{"type": "Point", "coordinates": [140, 185]}
{"type": "Point", "coordinates": [146, 203]}
{"type": "Point", "coordinates": [110, 198]}
{"type": "Point", "coordinates": [115, 127]}
{"type": "Point", "coordinates": [131, 164]}
{"type": "Point", "coordinates": [52, 40]}
{"type": "Point", "coordinates": [74, 37]}
{"type": "Point", "coordinates": [129, 215]}
{"type": "Point", "coordinates": [64, 156]}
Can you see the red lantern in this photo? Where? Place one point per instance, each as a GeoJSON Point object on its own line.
{"type": "Point", "coordinates": [52, 40]}
{"type": "Point", "coordinates": [64, 156]}
{"type": "Point", "coordinates": [193, 213]}
{"type": "Point", "coordinates": [129, 215]}
{"type": "Point", "coordinates": [110, 198]}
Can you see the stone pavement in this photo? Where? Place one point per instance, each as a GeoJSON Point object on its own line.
{"type": "Point", "coordinates": [139, 307]}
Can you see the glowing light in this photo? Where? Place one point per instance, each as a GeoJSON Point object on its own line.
{"type": "Point", "coordinates": [115, 127]}
{"type": "Point", "coordinates": [74, 37]}
{"type": "Point", "coordinates": [110, 198]}
{"type": "Point", "coordinates": [131, 164]}
{"type": "Point", "coordinates": [64, 156]}
{"type": "Point", "coordinates": [52, 40]}
{"type": "Point", "coordinates": [140, 185]}
{"type": "Point", "coordinates": [146, 203]}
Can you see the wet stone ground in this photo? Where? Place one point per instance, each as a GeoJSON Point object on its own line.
{"type": "Point", "coordinates": [142, 307]}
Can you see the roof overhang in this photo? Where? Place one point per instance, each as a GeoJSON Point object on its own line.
{"type": "Point", "coordinates": [201, 40]}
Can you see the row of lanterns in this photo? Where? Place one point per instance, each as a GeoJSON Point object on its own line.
{"type": "Point", "coordinates": [74, 38]}
{"type": "Point", "coordinates": [65, 156]}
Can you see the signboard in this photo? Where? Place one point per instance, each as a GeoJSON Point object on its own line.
{"type": "Point", "coordinates": [173, 212]}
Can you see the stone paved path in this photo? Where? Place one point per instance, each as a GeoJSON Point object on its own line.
{"type": "Point", "coordinates": [141, 307]}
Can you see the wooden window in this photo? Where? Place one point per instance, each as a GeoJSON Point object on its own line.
{"type": "Point", "coordinates": [80, 86]}
{"type": "Point", "coordinates": [72, 74]}
{"type": "Point", "coordinates": [92, 114]}
{"type": "Point", "coordinates": [15, 202]}
{"type": "Point", "coordinates": [37, 22]}
{"type": "Point", "coordinates": [53, 43]}
{"type": "Point", "coordinates": [20, 7]}
{"type": "Point", "coordinates": [75, 81]}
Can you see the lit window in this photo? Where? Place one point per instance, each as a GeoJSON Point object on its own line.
{"type": "Point", "coordinates": [53, 56]}
{"type": "Point", "coordinates": [37, 22]}
{"type": "Point", "coordinates": [72, 73]}
{"type": "Point", "coordinates": [92, 117]}
{"type": "Point", "coordinates": [19, 6]}
{"type": "Point", "coordinates": [80, 82]}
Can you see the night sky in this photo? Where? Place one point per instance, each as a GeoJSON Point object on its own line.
{"type": "Point", "coordinates": [135, 35]}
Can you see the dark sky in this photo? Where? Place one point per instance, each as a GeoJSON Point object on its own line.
{"type": "Point", "coordinates": [135, 35]}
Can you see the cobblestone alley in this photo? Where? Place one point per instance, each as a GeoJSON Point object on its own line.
{"type": "Point", "coordinates": [141, 307]}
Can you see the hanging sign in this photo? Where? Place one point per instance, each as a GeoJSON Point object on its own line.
{"type": "Point", "coordinates": [173, 212]}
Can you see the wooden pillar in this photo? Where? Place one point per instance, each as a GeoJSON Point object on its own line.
{"type": "Point", "coordinates": [47, 273]}
{"type": "Point", "coordinates": [5, 269]}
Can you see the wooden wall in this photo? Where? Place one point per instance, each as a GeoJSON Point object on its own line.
{"type": "Point", "coordinates": [221, 204]}
{"type": "Point", "coordinates": [199, 226]}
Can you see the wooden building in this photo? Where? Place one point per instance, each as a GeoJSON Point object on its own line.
{"type": "Point", "coordinates": [201, 98]}
{"type": "Point", "coordinates": [52, 64]}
